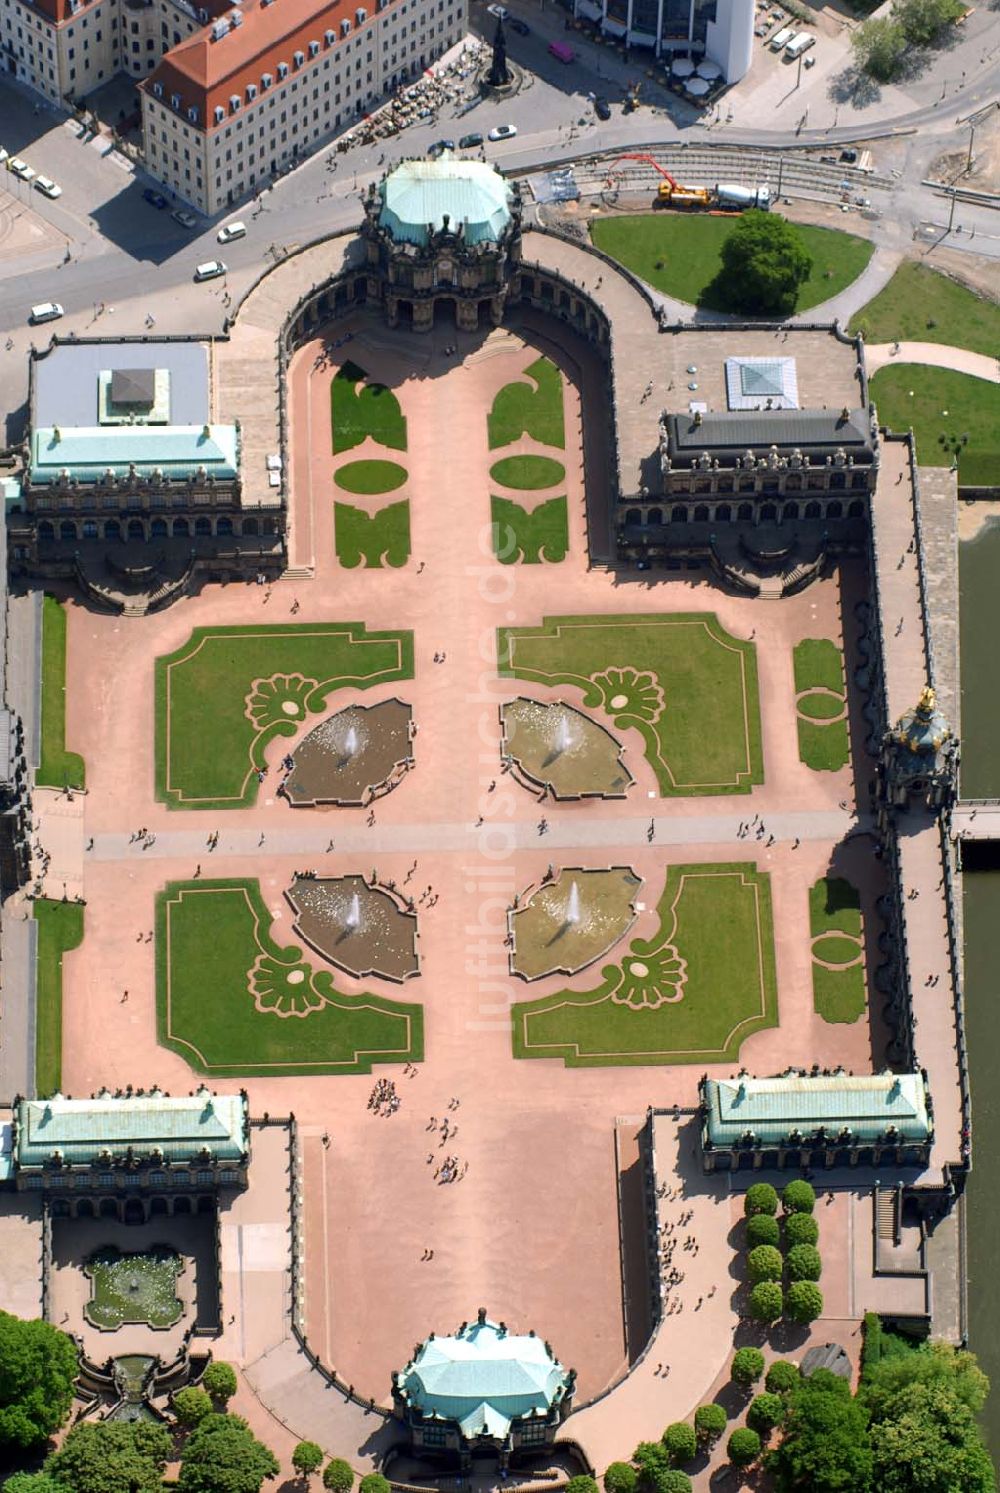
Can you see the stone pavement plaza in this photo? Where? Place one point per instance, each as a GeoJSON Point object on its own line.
{"type": "Point", "coordinates": [531, 1230]}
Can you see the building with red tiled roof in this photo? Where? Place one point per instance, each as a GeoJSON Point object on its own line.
{"type": "Point", "coordinates": [261, 86]}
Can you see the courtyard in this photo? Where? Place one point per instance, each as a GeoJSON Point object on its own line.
{"type": "Point", "coordinates": [699, 687]}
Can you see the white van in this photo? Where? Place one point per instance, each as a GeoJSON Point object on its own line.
{"type": "Point", "coordinates": [781, 38]}
{"type": "Point", "coordinates": [800, 44]}
{"type": "Point", "coordinates": [231, 231]}
{"type": "Point", "coordinates": [47, 311]}
{"type": "Point", "coordinates": [210, 270]}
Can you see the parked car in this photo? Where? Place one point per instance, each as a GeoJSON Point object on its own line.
{"type": "Point", "coordinates": [231, 231]}
{"type": "Point", "coordinates": [469, 142]}
{"type": "Point", "coordinates": [850, 156]}
{"type": "Point", "coordinates": [210, 270]}
{"type": "Point", "coordinates": [20, 168]}
{"type": "Point", "coordinates": [46, 185]}
{"type": "Point", "coordinates": [155, 199]}
{"type": "Point", "coordinates": [439, 147]}
{"type": "Point", "coordinates": [4, 155]}
{"type": "Point", "coordinates": [602, 108]}
{"type": "Point", "coordinates": [503, 132]}
{"type": "Point", "coordinates": [500, 11]}
{"type": "Point", "coordinates": [46, 311]}
{"type": "Point", "coordinates": [521, 27]}
{"type": "Point", "coordinates": [184, 218]}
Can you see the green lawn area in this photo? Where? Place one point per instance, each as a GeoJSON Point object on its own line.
{"type": "Point", "coordinates": [370, 476]}
{"type": "Point", "coordinates": [680, 679]}
{"type": "Point", "coordinates": [971, 404]}
{"type": "Point", "coordinates": [229, 690]}
{"type": "Point", "coordinates": [836, 929]}
{"type": "Point", "coordinates": [60, 928]}
{"type": "Point", "coordinates": [542, 534]}
{"type": "Point", "coordinates": [133, 1288]}
{"type": "Point", "coordinates": [687, 995]}
{"type": "Point", "coordinates": [821, 695]}
{"type": "Point", "coordinates": [916, 296]}
{"type": "Point", "coordinates": [57, 768]}
{"type": "Point", "coordinates": [368, 410]}
{"type": "Point", "coordinates": [379, 538]}
{"type": "Point", "coordinates": [521, 410]}
{"type": "Point", "coordinates": [527, 472]}
{"type": "Point", "coordinates": [232, 1002]}
{"type": "Point", "coordinates": [680, 255]}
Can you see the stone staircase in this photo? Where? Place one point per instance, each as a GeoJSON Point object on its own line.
{"type": "Point", "coordinates": [885, 1215]}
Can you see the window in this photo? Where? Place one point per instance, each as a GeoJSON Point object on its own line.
{"type": "Point", "coordinates": [229, 1176]}
{"type": "Point", "coordinates": [106, 1179]}
{"type": "Point", "coordinates": [205, 1179]}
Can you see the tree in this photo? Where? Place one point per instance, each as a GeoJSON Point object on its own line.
{"type": "Point", "coordinates": [764, 261]}
{"type": "Point", "coordinates": [110, 1456]}
{"type": "Point", "coordinates": [804, 1262]}
{"type": "Point", "coordinates": [32, 1482]}
{"type": "Point", "coordinates": [709, 1423]}
{"type": "Point", "coordinates": [339, 1475]}
{"type": "Point", "coordinates": [803, 1301]}
{"type": "Point", "coordinates": [767, 1301]}
{"type": "Point", "coordinates": [826, 1446]}
{"type": "Point", "coordinates": [675, 1481]}
{"type": "Point", "coordinates": [764, 1263]}
{"type": "Point", "coordinates": [582, 1483]}
{"type": "Point", "coordinates": [922, 21]}
{"type": "Point", "coordinates": [762, 1229]}
{"type": "Point", "coordinates": [931, 1363]}
{"type": "Point", "coordinates": [191, 1405]}
{"type": "Point", "coordinates": [620, 1477]}
{"type": "Point", "coordinates": [928, 1442]}
{"type": "Point", "coordinates": [37, 1369]}
{"type": "Point", "coordinates": [653, 1463]}
{"type": "Point", "coordinates": [222, 1455]}
{"type": "Point", "coordinates": [680, 1442]}
{"type": "Point", "coordinates": [879, 47]}
{"type": "Point", "coordinates": [743, 1447]}
{"type": "Point", "coordinates": [308, 1458]}
{"type": "Point", "coordinates": [781, 1377]}
{"type": "Point", "coordinates": [760, 1196]}
{"type": "Point", "coordinates": [747, 1366]}
{"type": "Point", "coordinates": [766, 1411]}
{"type": "Point", "coordinates": [799, 1196]}
{"type": "Point", "coordinates": [219, 1380]}
{"type": "Point", "coordinates": [800, 1229]}
{"type": "Point", "coordinates": [374, 1482]}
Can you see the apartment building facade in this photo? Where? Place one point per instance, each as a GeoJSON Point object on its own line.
{"type": "Point", "coordinates": [264, 84]}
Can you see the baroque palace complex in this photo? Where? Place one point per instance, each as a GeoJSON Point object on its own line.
{"type": "Point", "coordinates": [727, 747]}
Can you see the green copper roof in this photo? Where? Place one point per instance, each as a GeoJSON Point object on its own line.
{"type": "Point", "coordinates": [87, 452]}
{"type": "Point", "coordinates": [483, 1378]}
{"type": "Point", "coordinates": [771, 1109]}
{"type": "Point", "coordinates": [79, 1131]}
{"type": "Point", "coordinates": [422, 193]}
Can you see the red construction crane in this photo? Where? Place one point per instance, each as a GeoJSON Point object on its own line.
{"type": "Point", "coordinates": [648, 161]}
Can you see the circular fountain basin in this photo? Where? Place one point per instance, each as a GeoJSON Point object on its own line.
{"type": "Point", "coordinates": [352, 756]}
{"type": "Point", "coordinates": [554, 746]}
{"type": "Point", "coordinates": [569, 922]}
{"type": "Point", "coordinates": [362, 929]}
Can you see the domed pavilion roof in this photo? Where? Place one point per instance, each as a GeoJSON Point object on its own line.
{"type": "Point", "coordinates": [419, 195]}
{"type": "Point", "coordinates": [924, 729]}
{"type": "Point", "coordinates": [483, 1377]}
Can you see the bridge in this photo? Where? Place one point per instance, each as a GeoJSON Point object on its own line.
{"type": "Point", "coordinates": [976, 819]}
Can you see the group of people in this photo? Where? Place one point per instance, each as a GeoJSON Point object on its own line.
{"type": "Point", "coordinates": [383, 1099]}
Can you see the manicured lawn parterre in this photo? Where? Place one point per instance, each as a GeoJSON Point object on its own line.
{"type": "Point", "coordinates": [229, 690]}
{"type": "Point", "coordinates": [681, 680]}
{"type": "Point", "coordinates": [381, 538]}
{"type": "Point", "coordinates": [837, 950]}
{"type": "Point", "coordinates": [527, 472]}
{"type": "Point", "coordinates": [680, 254]}
{"type": "Point", "coordinates": [688, 995]}
{"type": "Point", "coordinates": [232, 1002]}
{"type": "Point", "coordinates": [920, 305]}
{"type": "Point", "coordinates": [534, 409]}
{"type": "Point", "coordinates": [971, 405]}
{"type": "Point", "coordinates": [541, 534]}
{"type": "Point", "coordinates": [370, 476]}
{"type": "Point", "coordinates": [133, 1288]}
{"type": "Point", "coordinates": [57, 767]}
{"type": "Point", "coordinates": [60, 928]}
{"type": "Point", "coordinates": [368, 410]}
{"type": "Point", "coordinates": [821, 704]}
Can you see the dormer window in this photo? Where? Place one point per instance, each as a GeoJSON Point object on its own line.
{"type": "Point", "coordinates": [266, 79]}
{"type": "Point", "coordinates": [251, 92]}
{"type": "Point", "coordinates": [345, 27]}
{"type": "Point", "coordinates": [313, 48]}
{"type": "Point", "coordinates": [360, 16]}
{"type": "Point", "coordinates": [175, 101]}
{"type": "Point", "coordinates": [219, 113]}
{"type": "Point", "coordinates": [282, 70]}
{"type": "Point", "coordinates": [298, 58]}
{"type": "Point", "coordinates": [193, 115]}
{"type": "Point", "coordinates": [234, 102]}
{"type": "Point", "coordinates": [328, 38]}
{"type": "Point", "coordinates": [158, 89]}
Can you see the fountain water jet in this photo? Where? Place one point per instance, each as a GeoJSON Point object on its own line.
{"type": "Point", "coordinates": [350, 741]}
{"type": "Point", "coordinates": [573, 905]}
{"type": "Point", "coordinates": [353, 919]}
{"type": "Point", "coordinates": [564, 735]}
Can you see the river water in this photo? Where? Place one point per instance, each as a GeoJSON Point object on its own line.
{"type": "Point", "coordinates": [979, 573]}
